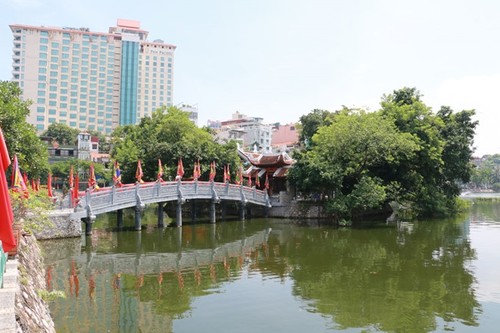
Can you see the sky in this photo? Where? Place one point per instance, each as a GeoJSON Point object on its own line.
{"type": "Point", "coordinates": [281, 59]}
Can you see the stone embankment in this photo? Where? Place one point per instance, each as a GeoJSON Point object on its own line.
{"type": "Point", "coordinates": [285, 206]}
{"type": "Point", "coordinates": [32, 312]}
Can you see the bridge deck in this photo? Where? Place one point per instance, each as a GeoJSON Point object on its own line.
{"type": "Point", "coordinates": [109, 199]}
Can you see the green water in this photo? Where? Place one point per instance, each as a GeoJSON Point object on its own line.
{"type": "Point", "coordinates": [266, 275]}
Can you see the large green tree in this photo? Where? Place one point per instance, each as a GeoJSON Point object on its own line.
{"type": "Point", "coordinates": [345, 158]}
{"type": "Point", "coordinates": [20, 137]}
{"type": "Point", "coordinates": [430, 179]}
{"type": "Point", "coordinates": [404, 152]}
{"type": "Point", "coordinates": [62, 133]}
{"type": "Point", "coordinates": [169, 135]}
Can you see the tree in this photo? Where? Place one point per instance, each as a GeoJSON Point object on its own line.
{"type": "Point", "coordinates": [310, 123]}
{"type": "Point", "coordinates": [345, 158]}
{"type": "Point", "coordinates": [168, 135]}
{"type": "Point", "coordinates": [429, 179]}
{"type": "Point", "coordinates": [61, 170]}
{"type": "Point", "coordinates": [487, 172]}
{"type": "Point", "coordinates": [62, 133]}
{"type": "Point", "coordinates": [403, 152]}
{"type": "Point", "coordinates": [458, 134]}
{"type": "Point", "coordinates": [20, 137]}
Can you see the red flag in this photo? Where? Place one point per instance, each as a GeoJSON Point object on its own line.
{"type": "Point", "coordinates": [266, 184]}
{"type": "Point", "coordinates": [6, 215]}
{"type": "Point", "coordinates": [257, 180]}
{"type": "Point", "coordinates": [70, 178]}
{"type": "Point", "coordinates": [25, 178]}
{"type": "Point", "coordinates": [212, 174]}
{"type": "Point", "coordinates": [33, 185]}
{"type": "Point", "coordinates": [117, 174]}
{"type": "Point", "coordinates": [180, 169]}
{"type": "Point", "coordinates": [225, 174]}
{"type": "Point", "coordinates": [138, 172]}
{"type": "Point", "coordinates": [92, 182]}
{"type": "Point", "coordinates": [49, 185]}
{"type": "Point", "coordinates": [228, 174]}
{"type": "Point", "coordinates": [74, 192]}
{"type": "Point", "coordinates": [239, 177]}
{"type": "Point", "coordinates": [196, 170]}
{"type": "Point", "coordinates": [17, 178]}
{"type": "Point", "coordinates": [38, 184]}
{"type": "Point", "coordinates": [159, 175]}
{"type": "Point", "coordinates": [249, 179]}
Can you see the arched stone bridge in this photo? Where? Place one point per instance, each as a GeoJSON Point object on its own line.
{"type": "Point", "coordinates": [110, 199]}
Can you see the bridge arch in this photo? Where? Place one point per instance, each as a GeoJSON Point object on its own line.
{"type": "Point", "coordinates": [110, 199]}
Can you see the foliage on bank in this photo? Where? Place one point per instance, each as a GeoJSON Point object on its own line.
{"type": "Point", "coordinates": [403, 152]}
{"type": "Point", "coordinates": [487, 174]}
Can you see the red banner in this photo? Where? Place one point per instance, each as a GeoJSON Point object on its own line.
{"type": "Point", "coordinates": [6, 216]}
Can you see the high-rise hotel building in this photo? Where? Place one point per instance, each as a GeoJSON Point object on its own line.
{"type": "Point", "coordinates": [92, 80]}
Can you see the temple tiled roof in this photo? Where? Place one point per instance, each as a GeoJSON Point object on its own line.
{"type": "Point", "coordinates": [267, 160]}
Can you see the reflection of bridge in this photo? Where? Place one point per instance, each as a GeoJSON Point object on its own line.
{"type": "Point", "coordinates": [156, 263]}
{"type": "Point", "coordinates": [138, 195]}
{"type": "Point", "coordinates": [135, 289]}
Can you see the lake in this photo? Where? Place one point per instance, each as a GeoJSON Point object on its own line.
{"type": "Point", "coordinates": [272, 275]}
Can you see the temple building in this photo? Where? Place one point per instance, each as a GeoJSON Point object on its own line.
{"type": "Point", "coordinates": [273, 165]}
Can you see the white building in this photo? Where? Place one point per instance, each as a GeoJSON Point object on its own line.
{"type": "Point", "coordinates": [192, 110]}
{"type": "Point", "coordinates": [84, 146]}
{"type": "Point", "coordinates": [250, 131]}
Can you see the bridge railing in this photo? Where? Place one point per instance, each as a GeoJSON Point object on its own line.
{"type": "Point", "coordinates": [113, 198]}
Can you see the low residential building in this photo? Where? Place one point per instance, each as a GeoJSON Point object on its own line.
{"type": "Point", "coordinates": [252, 133]}
{"type": "Point", "coordinates": [284, 137]}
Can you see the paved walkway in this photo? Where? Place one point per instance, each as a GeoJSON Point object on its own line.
{"type": "Point", "coordinates": [7, 298]}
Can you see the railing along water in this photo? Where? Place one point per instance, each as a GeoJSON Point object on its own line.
{"type": "Point", "coordinates": [115, 198]}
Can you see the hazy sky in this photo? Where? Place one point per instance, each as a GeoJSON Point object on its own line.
{"type": "Point", "coordinates": [280, 59]}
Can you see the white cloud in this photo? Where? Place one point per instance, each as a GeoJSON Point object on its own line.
{"type": "Point", "coordinates": [479, 93]}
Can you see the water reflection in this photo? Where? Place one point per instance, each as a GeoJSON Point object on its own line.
{"type": "Point", "coordinates": [367, 277]}
{"type": "Point", "coordinates": [406, 278]}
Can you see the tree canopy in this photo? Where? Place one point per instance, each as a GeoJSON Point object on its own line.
{"type": "Point", "coordinates": [403, 152]}
{"type": "Point", "coordinates": [20, 137]}
{"type": "Point", "coordinates": [62, 133]}
{"type": "Point", "coordinates": [168, 135]}
{"type": "Point", "coordinates": [310, 123]}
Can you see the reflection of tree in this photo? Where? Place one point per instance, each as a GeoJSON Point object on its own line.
{"type": "Point", "coordinates": [483, 210]}
{"type": "Point", "coordinates": [365, 277]}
